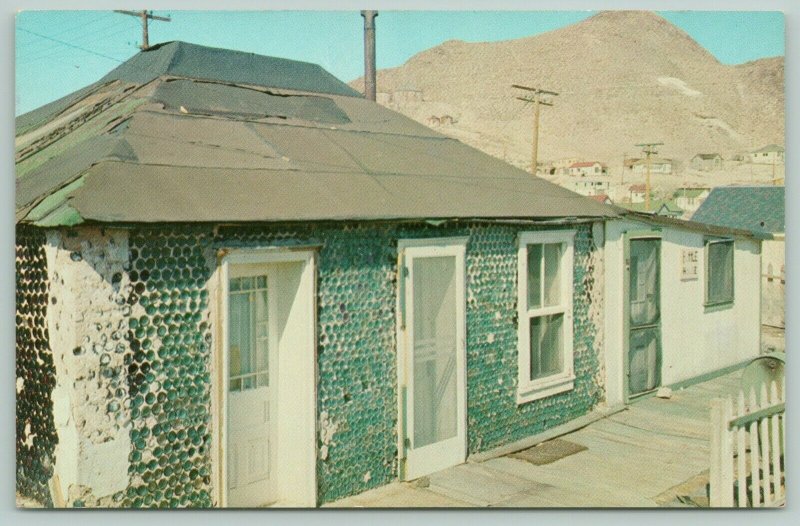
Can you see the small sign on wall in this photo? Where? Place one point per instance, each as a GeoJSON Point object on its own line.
{"type": "Point", "coordinates": [690, 264]}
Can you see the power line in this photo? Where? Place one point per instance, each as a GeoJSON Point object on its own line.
{"type": "Point", "coordinates": [68, 30]}
{"type": "Point", "coordinates": [57, 50]}
{"type": "Point", "coordinates": [98, 37]}
{"type": "Point", "coordinates": [73, 28]}
{"type": "Point", "coordinates": [71, 45]}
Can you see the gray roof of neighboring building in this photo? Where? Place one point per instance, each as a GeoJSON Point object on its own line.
{"type": "Point", "coordinates": [185, 133]}
{"type": "Point", "coordinates": [691, 225]}
{"type": "Point", "coordinates": [759, 209]}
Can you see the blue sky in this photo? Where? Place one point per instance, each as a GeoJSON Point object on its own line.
{"type": "Point", "coordinates": [58, 52]}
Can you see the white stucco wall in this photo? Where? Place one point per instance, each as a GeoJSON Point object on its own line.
{"type": "Point", "coordinates": [694, 340]}
{"type": "Point", "coordinates": [87, 322]}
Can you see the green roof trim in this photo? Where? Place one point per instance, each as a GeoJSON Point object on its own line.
{"type": "Point", "coordinates": [62, 216]}
{"type": "Point", "coordinates": [53, 201]}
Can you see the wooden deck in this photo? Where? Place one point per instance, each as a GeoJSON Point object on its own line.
{"type": "Point", "coordinates": [645, 456]}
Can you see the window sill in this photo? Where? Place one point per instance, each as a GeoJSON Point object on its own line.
{"type": "Point", "coordinates": [715, 307]}
{"type": "Point", "coordinates": [544, 388]}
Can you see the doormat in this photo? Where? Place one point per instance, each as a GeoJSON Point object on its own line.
{"type": "Point", "coordinates": [548, 452]}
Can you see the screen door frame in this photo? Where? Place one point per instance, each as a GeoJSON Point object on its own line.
{"type": "Point", "coordinates": [654, 235]}
{"type": "Point", "coordinates": [415, 463]}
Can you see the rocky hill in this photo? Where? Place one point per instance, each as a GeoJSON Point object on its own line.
{"type": "Point", "coordinates": [623, 77]}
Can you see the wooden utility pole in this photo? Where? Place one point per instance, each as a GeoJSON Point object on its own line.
{"type": "Point", "coordinates": [648, 148]}
{"type": "Point", "coordinates": [144, 16]}
{"type": "Point", "coordinates": [537, 100]}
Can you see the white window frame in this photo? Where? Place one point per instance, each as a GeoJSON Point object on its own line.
{"type": "Point", "coordinates": [527, 389]}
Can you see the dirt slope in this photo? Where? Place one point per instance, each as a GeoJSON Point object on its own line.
{"type": "Point", "coordinates": [623, 78]}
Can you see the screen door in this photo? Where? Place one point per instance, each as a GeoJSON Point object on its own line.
{"type": "Point", "coordinates": [434, 359]}
{"type": "Point", "coordinates": [644, 316]}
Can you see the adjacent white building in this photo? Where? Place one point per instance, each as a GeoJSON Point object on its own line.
{"type": "Point", "coordinates": [678, 303]}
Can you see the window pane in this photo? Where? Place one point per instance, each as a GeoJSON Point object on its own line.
{"type": "Point", "coordinates": [547, 345]}
{"type": "Point", "coordinates": [435, 349]}
{"type": "Point", "coordinates": [552, 274]}
{"type": "Point", "coordinates": [644, 281]}
{"type": "Point", "coordinates": [248, 327]}
{"type": "Point", "coordinates": [534, 276]}
{"type": "Point", "coordinates": [644, 366]}
{"type": "Point", "coordinates": [240, 344]}
{"type": "Point", "coordinates": [720, 272]}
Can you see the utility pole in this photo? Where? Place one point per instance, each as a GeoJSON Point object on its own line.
{"type": "Point", "coordinates": [144, 16]}
{"type": "Point", "coordinates": [537, 100]}
{"type": "Point", "coordinates": [648, 148]}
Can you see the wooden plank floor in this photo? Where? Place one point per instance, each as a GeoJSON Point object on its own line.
{"type": "Point", "coordinates": [632, 457]}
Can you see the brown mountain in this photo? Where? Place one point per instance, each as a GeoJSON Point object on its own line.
{"type": "Point", "coordinates": [623, 77]}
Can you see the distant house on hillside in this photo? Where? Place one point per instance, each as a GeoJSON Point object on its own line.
{"type": "Point", "coordinates": [561, 166]}
{"type": "Point", "coordinates": [545, 168]}
{"type": "Point", "coordinates": [602, 198]}
{"type": "Point", "coordinates": [629, 162]}
{"type": "Point", "coordinates": [689, 198]}
{"type": "Point", "coordinates": [706, 161]}
{"type": "Point", "coordinates": [636, 193]}
{"type": "Point", "coordinates": [770, 154]}
{"type": "Point", "coordinates": [582, 169]}
{"type": "Point", "coordinates": [657, 165]}
{"type": "Point", "coordinates": [761, 210]}
{"type": "Point", "coordinates": [660, 207]}
{"type": "Point", "coordinates": [589, 187]}
{"type": "Point", "coordinates": [406, 94]}
{"type": "Point", "coordinates": [440, 120]}
{"type": "Point", "coordinates": [669, 209]}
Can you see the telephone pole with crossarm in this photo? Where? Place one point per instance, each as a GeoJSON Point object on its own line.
{"type": "Point", "coordinates": [537, 100]}
{"type": "Point", "coordinates": [145, 17]}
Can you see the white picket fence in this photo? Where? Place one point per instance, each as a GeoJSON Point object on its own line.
{"type": "Point", "coordinates": [747, 448]}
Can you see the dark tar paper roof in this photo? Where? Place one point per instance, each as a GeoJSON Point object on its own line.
{"type": "Point", "coordinates": [185, 133]}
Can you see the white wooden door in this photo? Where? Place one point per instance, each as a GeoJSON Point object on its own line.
{"type": "Point", "coordinates": [251, 389]}
{"type": "Point", "coordinates": [432, 357]}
